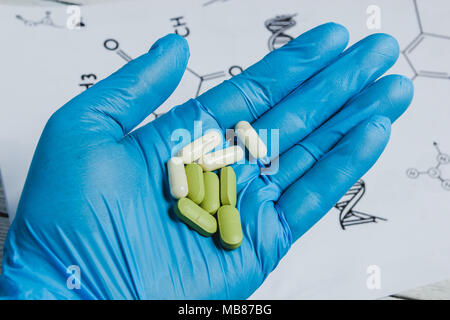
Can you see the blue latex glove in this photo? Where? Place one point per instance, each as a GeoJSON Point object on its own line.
{"type": "Point", "coordinates": [97, 196]}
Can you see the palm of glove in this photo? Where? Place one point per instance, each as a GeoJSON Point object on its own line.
{"type": "Point", "coordinates": [189, 264]}
{"type": "Point", "coordinates": [97, 194]}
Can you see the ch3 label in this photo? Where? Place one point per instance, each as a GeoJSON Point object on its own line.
{"type": "Point", "coordinates": [88, 80]}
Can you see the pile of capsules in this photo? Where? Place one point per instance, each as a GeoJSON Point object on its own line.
{"type": "Point", "coordinates": [199, 192]}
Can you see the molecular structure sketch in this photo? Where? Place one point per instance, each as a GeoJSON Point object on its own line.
{"type": "Point", "coordinates": [113, 45]}
{"type": "Point", "coordinates": [278, 26]}
{"type": "Point", "coordinates": [207, 3]}
{"type": "Point", "coordinates": [46, 21]}
{"type": "Point", "coordinates": [435, 171]}
{"type": "Point", "coordinates": [422, 39]}
{"type": "Point", "coordinates": [349, 217]}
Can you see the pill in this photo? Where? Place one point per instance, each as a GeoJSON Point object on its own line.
{"type": "Point", "coordinates": [221, 158]}
{"type": "Point", "coordinates": [250, 138]}
{"type": "Point", "coordinates": [230, 230]}
{"type": "Point", "coordinates": [200, 146]}
{"type": "Point", "coordinates": [195, 217]}
{"type": "Point", "coordinates": [211, 201]}
{"type": "Point", "coordinates": [228, 186]}
{"type": "Point", "coordinates": [177, 178]}
{"type": "Point", "coordinates": [196, 186]}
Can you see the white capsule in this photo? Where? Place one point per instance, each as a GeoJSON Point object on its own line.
{"type": "Point", "coordinates": [200, 146]}
{"type": "Point", "coordinates": [177, 178]}
{"type": "Point", "coordinates": [250, 138]}
{"type": "Point", "coordinates": [221, 158]}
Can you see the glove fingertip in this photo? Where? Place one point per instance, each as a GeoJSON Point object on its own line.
{"type": "Point", "coordinates": [385, 45]}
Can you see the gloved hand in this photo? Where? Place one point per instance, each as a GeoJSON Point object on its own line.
{"type": "Point", "coordinates": [97, 195]}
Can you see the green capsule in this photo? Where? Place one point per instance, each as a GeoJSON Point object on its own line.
{"type": "Point", "coordinates": [230, 228]}
{"type": "Point", "coordinates": [211, 201]}
{"type": "Point", "coordinates": [196, 186]}
{"type": "Point", "coordinates": [228, 186]}
{"type": "Point", "coordinates": [195, 217]}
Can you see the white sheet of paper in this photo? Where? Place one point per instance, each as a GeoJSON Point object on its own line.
{"type": "Point", "coordinates": [43, 63]}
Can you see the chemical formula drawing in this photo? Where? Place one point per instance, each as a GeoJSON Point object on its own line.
{"type": "Point", "coordinates": [75, 20]}
{"type": "Point", "coordinates": [232, 71]}
{"type": "Point", "coordinates": [180, 26]}
{"type": "Point", "coordinates": [113, 45]}
{"type": "Point", "coordinates": [88, 80]}
{"type": "Point", "coordinates": [207, 3]}
{"type": "Point", "coordinates": [421, 45]}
